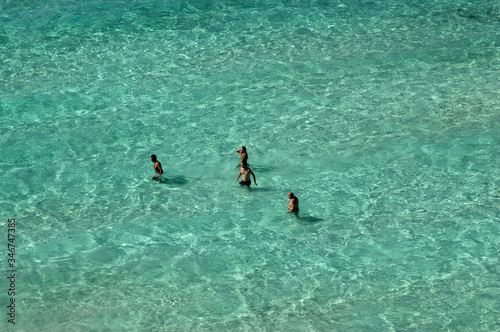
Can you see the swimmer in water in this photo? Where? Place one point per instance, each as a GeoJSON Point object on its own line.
{"type": "Point", "coordinates": [244, 155]}
{"type": "Point", "coordinates": [293, 205]}
{"type": "Point", "coordinates": [157, 166]}
{"type": "Point", "coordinates": [245, 173]}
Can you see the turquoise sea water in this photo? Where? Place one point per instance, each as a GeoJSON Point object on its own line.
{"type": "Point", "coordinates": [381, 116]}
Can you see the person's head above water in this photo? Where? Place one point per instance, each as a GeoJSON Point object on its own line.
{"type": "Point", "coordinates": [291, 195]}
{"type": "Point", "coordinates": [244, 165]}
{"type": "Point", "coordinates": [153, 158]}
{"type": "Point", "coordinates": [243, 149]}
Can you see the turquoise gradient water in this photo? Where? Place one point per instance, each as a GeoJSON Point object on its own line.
{"type": "Point", "coordinates": [381, 116]}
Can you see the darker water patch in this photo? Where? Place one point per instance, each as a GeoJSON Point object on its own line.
{"type": "Point", "coordinates": [308, 220]}
{"type": "Point", "coordinates": [179, 180]}
{"type": "Point", "coordinates": [483, 15]}
{"type": "Point", "coordinates": [263, 189]}
{"type": "Point", "coordinates": [4, 40]}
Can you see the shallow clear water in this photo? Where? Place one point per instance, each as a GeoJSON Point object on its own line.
{"type": "Point", "coordinates": [382, 117]}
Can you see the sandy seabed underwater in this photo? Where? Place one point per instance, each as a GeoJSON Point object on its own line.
{"type": "Point", "coordinates": [381, 116]}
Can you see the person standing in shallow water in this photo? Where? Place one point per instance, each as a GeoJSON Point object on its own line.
{"type": "Point", "coordinates": [157, 166]}
{"type": "Point", "coordinates": [293, 205]}
{"type": "Point", "coordinates": [245, 173]}
{"type": "Point", "coordinates": [244, 155]}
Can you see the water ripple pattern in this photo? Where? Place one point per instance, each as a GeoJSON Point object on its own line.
{"type": "Point", "coordinates": [381, 116]}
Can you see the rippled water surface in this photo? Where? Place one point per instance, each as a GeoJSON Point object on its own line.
{"type": "Point", "coordinates": [381, 116]}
